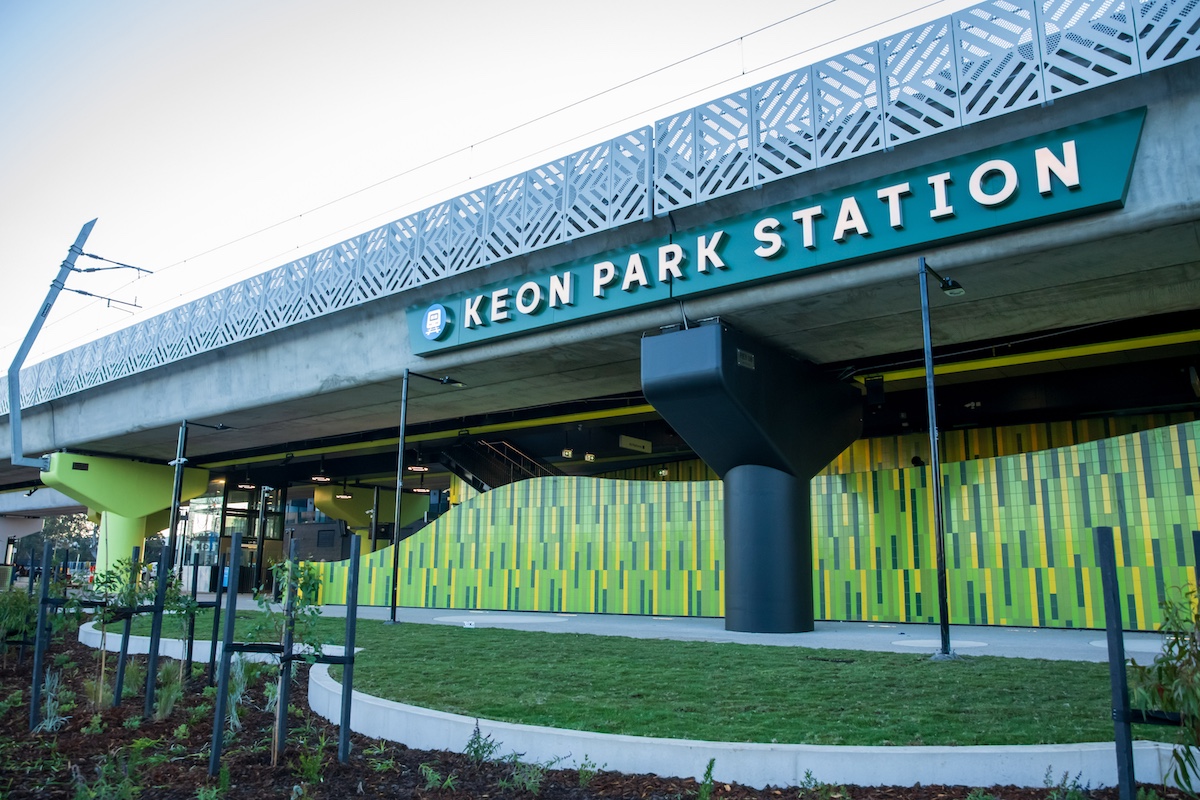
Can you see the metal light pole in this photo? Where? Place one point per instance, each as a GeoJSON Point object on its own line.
{"type": "Point", "coordinates": [445, 381]}
{"type": "Point", "coordinates": [399, 495]}
{"type": "Point", "coordinates": [953, 289]}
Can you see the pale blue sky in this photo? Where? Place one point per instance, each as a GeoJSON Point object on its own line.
{"type": "Point", "coordinates": [186, 125]}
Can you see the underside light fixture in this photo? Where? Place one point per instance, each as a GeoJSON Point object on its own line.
{"type": "Point", "coordinates": [568, 452]}
{"type": "Point", "coordinates": [344, 494]}
{"type": "Point", "coordinates": [321, 477]}
{"type": "Point", "coordinates": [245, 484]}
{"type": "Point", "coordinates": [664, 472]}
{"type": "Point", "coordinates": [417, 468]}
{"type": "Point", "coordinates": [589, 457]}
{"type": "Point", "coordinates": [420, 490]}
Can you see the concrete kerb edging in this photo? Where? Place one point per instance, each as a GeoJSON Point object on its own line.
{"type": "Point", "coordinates": [757, 765]}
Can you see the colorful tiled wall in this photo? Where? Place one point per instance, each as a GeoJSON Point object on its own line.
{"type": "Point", "coordinates": [1018, 541]}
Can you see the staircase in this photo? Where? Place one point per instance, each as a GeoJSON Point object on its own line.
{"type": "Point", "coordinates": [486, 465]}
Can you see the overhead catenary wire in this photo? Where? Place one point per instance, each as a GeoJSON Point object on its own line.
{"type": "Point", "coordinates": [738, 40]}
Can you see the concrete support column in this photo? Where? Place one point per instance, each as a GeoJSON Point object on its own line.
{"type": "Point", "coordinates": [768, 551]}
{"type": "Point", "coordinates": [118, 536]}
{"type": "Point", "coordinates": [766, 423]}
{"type": "Point", "coordinates": [132, 497]}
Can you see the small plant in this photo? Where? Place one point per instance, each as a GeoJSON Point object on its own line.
{"type": "Point", "coordinates": [237, 690]}
{"type": "Point", "coordinates": [526, 776]}
{"type": "Point", "coordinates": [810, 787]}
{"type": "Point", "coordinates": [480, 749]}
{"type": "Point", "coordinates": [15, 699]}
{"type": "Point", "coordinates": [53, 719]}
{"type": "Point", "coordinates": [1172, 681]}
{"type": "Point", "coordinates": [170, 690]}
{"type": "Point", "coordinates": [1067, 788]}
{"type": "Point", "coordinates": [434, 780]}
{"type": "Point", "coordinates": [980, 794]}
{"type": "Point", "coordinates": [588, 771]}
{"type": "Point", "coordinates": [208, 793]}
{"type": "Point", "coordinates": [135, 677]}
{"type": "Point", "coordinates": [181, 732]}
{"type": "Point", "coordinates": [706, 785]}
{"type": "Point", "coordinates": [1144, 793]}
{"type": "Point", "coordinates": [132, 723]}
{"type": "Point", "coordinates": [95, 725]}
{"type": "Point", "coordinates": [95, 691]}
{"type": "Point", "coordinates": [309, 765]}
{"type": "Point", "coordinates": [114, 780]}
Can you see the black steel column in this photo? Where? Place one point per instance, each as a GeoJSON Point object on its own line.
{"type": "Point", "coordinates": [935, 469]}
{"type": "Point", "coordinates": [218, 740]}
{"type": "Point", "coordinates": [39, 640]}
{"type": "Point", "coordinates": [348, 666]}
{"type": "Point", "coordinates": [1106, 556]}
{"type": "Point", "coordinates": [762, 591]}
{"type": "Point", "coordinates": [399, 498]}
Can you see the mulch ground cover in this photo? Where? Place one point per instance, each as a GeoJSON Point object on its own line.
{"type": "Point", "coordinates": [106, 752]}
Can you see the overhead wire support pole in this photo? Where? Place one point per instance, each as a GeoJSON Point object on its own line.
{"type": "Point", "coordinates": [14, 371]}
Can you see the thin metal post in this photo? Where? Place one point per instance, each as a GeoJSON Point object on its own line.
{"type": "Point", "coordinates": [177, 493]}
{"type": "Point", "coordinates": [1106, 556]}
{"type": "Point", "coordinates": [935, 470]}
{"type": "Point", "coordinates": [39, 641]}
{"type": "Point", "coordinates": [261, 534]}
{"type": "Point", "coordinates": [218, 740]}
{"type": "Point", "coordinates": [124, 653]}
{"type": "Point", "coordinates": [190, 647]}
{"type": "Point", "coordinates": [28, 593]}
{"type": "Point", "coordinates": [399, 496]}
{"type": "Point", "coordinates": [156, 620]}
{"type": "Point", "coordinates": [283, 697]}
{"type": "Point", "coordinates": [222, 563]}
{"type": "Point", "coordinates": [348, 667]}
{"type": "Point", "coordinates": [17, 457]}
{"type": "Point", "coordinates": [374, 518]}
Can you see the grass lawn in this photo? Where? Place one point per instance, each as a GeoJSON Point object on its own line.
{"type": "Point", "coordinates": [724, 692]}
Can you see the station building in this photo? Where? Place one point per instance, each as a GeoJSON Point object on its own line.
{"type": "Point", "coordinates": [681, 372]}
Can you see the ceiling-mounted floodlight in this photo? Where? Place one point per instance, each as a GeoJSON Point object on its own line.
{"type": "Point", "coordinates": [321, 477]}
{"type": "Point", "coordinates": [568, 452]}
{"type": "Point", "coordinates": [664, 472]}
{"type": "Point", "coordinates": [589, 457]}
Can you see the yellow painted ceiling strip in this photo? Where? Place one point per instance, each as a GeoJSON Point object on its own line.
{"type": "Point", "coordinates": [1063, 353]}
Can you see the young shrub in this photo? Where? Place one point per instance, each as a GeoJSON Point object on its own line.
{"type": "Point", "coordinates": [1172, 681]}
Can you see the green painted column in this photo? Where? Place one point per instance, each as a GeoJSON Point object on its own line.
{"type": "Point", "coordinates": [130, 496]}
{"type": "Point", "coordinates": [118, 536]}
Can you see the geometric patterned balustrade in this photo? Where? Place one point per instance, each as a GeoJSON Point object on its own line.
{"type": "Point", "coordinates": [990, 59]}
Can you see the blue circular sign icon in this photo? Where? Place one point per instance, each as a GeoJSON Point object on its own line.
{"type": "Point", "coordinates": [436, 322]}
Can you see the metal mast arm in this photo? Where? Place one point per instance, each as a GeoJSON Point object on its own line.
{"type": "Point", "coordinates": [14, 372]}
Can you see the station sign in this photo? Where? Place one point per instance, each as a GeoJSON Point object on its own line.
{"type": "Point", "coordinates": [1081, 169]}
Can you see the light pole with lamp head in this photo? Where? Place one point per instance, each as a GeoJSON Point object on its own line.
{"type": "Point", "coordinates": [445, 380]}
{"type": "Point", "coordinates": [952, 288]}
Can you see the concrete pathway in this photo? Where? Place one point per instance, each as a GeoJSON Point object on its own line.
{"type": "Point", "coordinates": [965, 640]}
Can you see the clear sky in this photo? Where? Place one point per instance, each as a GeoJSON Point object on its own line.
{"type": "Point", "coordinates": [189, 127]}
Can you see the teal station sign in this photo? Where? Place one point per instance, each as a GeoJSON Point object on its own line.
{"type": "Point", "coordinates": [1076, 170]}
